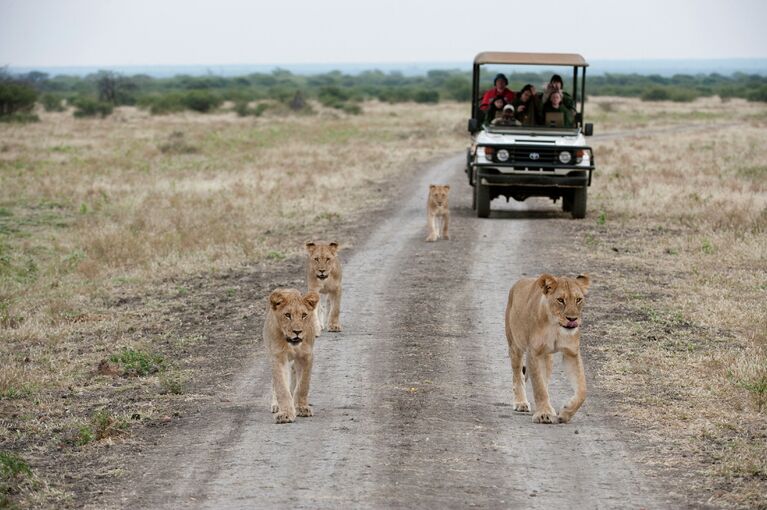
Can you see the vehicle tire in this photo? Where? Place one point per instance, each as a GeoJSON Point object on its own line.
{"type": "Point", "coordinates": [567, 202]}
{"type": "Point", "coordinates": [579, 203]}
{"type": "Point", "coordinates": [482, 193]}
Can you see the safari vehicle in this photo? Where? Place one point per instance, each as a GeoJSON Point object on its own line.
{"type": "Point", "coordinates": [537, 160]}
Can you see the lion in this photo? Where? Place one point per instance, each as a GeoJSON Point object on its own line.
{"type": "Point", "coordinates": [323, 275]}
{"type": "Point", "coordinates": [289, 338]}
{"type": "Point", "coordinates": [543, 316]}
{"type": "Point", "coordinates": [437, 210]}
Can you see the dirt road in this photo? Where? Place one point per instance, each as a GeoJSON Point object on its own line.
{"type": "Point", "coordinates": [412, 400]}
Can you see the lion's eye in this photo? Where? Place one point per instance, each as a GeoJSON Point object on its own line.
{"type": "Point", "coordinates": [561, 300]}
{"type": "Point", "coordinates": [303, 316]}
{"type": "Point", "coordinates": [287, 316]}
{"type": "Point", "coordinates": [316, 259]}
{"type": "Point", "coordinates": [327, 259]}
{"type": "Point", "coordinates": [579, 300]}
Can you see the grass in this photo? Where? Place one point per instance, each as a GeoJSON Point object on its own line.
{"type": "Point", "coordinates": [136, 362]}
{"type": "Point", "coordinates": [685, 351]}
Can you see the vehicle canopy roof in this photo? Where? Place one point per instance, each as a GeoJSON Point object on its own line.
{"type": "Point", "coordinates": [505, 57]}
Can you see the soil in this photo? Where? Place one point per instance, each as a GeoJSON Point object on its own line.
{"type": "Point", "coordinates": [412, 401]}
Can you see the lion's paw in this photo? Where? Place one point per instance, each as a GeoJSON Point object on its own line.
{"type": "Point", "coordinates": [446, 237]}
{"type": "Point", "coordinates": [335, 328]}
{"type": "Point", "coordinates": [522, 407]}
{"type": "Point", "coordinates": [304, 411]}
{"type": "Point", "coordinates": [284, 417]}
{"type": "Point", "coordinates": [431, 238]}
{"type": "Point", "coordinates": [545, 417]}
{"type": "Point", "coordinates": [275, 408]}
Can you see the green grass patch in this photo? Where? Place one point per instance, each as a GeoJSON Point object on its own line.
{"type": "Point", "coordinates": [140, 363]}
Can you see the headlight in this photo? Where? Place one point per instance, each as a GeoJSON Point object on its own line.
{"type": "Point", "coordinates": [565, 157]}
{"type": "Point", "coordinates": [503, 155]}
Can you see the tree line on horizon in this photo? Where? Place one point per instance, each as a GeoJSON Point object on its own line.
{"type": "Point", "coordinates": [98, 93]}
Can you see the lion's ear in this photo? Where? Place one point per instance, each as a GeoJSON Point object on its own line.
{"type": "Point", "coordinates": [547, 283]}
{"type": "Point", "coordinates": [310, 246]}
{"type": "Point", "coordinates": [311, 299]}
{"type": "Point", "coordinates": [432, 186]}
{"type": "Point", "coordinates": [334, 246]}
{"type": "Point", "coordinates": [584, 281]}
{"type": "Point", "coordinates": [276, 298]}
{"type": "Point", "coordinates": [447, 187]}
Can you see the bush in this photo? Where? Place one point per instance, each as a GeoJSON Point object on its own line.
{"type": "Point", "coordinates": [426, 96]}
{"type": "Point", "coordinates": [655, 94]}
{"type": "Point", "coordinates": [16, 98]}
{"type": "Point", "coordinates": [201, 101]}
{"type": "Point", "coordinates": [759, 94]}
{"type": "Point", "coordinates": [52, 103]}
{"type": "Point", "coordinates": [351, 108]}
{"type": "Point", "coordinates": [89, 107]}
{"type": "Point", "coordinates": [166, 103]}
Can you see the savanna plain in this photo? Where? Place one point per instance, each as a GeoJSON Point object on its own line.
{"type": "Point", "coordinates": [126, 242]}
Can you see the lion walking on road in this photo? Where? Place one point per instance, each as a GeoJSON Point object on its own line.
{"type": "Point", "coordinates": [437, 211]}
{"type": "Point", "coordinates": [543, 316]}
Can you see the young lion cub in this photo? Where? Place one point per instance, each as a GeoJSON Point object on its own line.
{"type": "Point", "coordinates": [437, 209]}
{"type": "Point", "coordinates": [289, 339]}
{"type": "Point", "coordinates": [543, 316]}
{"type": "Point", "coordinates": [323, 275]}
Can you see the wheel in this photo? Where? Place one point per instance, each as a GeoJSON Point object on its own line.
{"type": "Point", "coordinates": [579, 203]}
{"type": "Point", "coordinates": [472, 182]}
{"type": "Point", "coordinates": [567, 202]}
{"type": "Point", "coordinates": [482, 193]}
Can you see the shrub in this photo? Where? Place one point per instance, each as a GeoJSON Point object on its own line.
{"type": "Point", "coordinates": [138, 362]}
{"type": "Point", "coordinates": [52, 103]}
{"type": "Point", "coordinates": [655, 94]}
{"type": "Point", "coordinates": [201, 101]}
{"type": "Point", "coordinates": [89, 107]}
{"type": "Point", "coordinates": [16, 98]}
{"type": "Point", "coordinates": [166, 103]}
{"type": "Point", "coordinates": [351, 108]}
{"type": "Point", "coordinates": [759, 94]}
{"type": "Point", "coordinates": [426, 96]}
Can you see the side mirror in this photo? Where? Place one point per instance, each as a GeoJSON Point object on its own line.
{"type": "Point", "coordinates": [588, 129]}
{"type": "Point", "coordinates": [473, 125]}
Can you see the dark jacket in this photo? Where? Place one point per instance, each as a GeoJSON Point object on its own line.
{"type": "Point", "coordinates": [531, 114]}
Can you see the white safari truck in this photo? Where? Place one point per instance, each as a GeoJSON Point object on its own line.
{"type": "Point", "coordinates": [544, 156]}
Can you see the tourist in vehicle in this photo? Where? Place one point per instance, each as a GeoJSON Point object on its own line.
{"type": "Point", "coordinates": [556, 83]}
{"type": "Point", "coordinates": [495, 111]}
{"type": "Point", "coordinates": [506, 118]}
{"type": "Point", "coordinates": [527, 106]}
{"type": "Point", "coordinates": [499, 89]}
{"type": "Point", "coordinates": [555, 105]}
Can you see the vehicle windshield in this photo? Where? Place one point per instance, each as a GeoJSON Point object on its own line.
{"type": "Point", "coordinates": [534, 97]}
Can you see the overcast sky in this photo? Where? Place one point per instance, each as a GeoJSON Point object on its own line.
{"type": "Point", "coordinates": [188, 32]}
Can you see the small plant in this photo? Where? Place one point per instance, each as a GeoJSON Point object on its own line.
{"type": "Point", "coordinates": [14, 472]}
{"type": "Point", "coordinates": [275, 255]}
{"type": "Point", "coordinates": [172, 383]}
{"type": "Point", "coordinates": [602, 218]}
{"type": "Point", "coordinates": [84, 435]}
{"type": "Point", "coordinates": [105, 425]}
{"type": "Point", "coordinates": [138, 363]}
{"type": "Point", "coordinates": [707, 247]}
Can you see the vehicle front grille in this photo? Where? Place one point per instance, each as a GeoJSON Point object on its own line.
{"type": "Point", "coordinates": [531, 156]}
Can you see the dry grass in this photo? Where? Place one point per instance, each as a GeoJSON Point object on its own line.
{"type": "Point", "coordinates": [92, 209]}
{"type": "Point", "coordinates": [678, 224]}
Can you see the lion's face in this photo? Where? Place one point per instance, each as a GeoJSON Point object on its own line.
{"type": "Point", "coordinates": [565, 297]}
{"type": "Point", "coordinates": [438, 194]}
{"type": "Point", "coordinates": [294, 313]}
{"type": "Point", "coordinates": [322, 258]}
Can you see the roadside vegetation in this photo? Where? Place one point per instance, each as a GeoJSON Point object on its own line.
{"type": "Point", "coordinates": [677, 241]}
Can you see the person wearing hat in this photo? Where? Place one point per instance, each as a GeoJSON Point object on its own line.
{"type": "Point", "coordinates": [506, 118]}
{"type": "Point", "coordinates": [499, 89]}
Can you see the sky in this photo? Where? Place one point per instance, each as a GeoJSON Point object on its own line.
{"type": "Point", "coordinates": [227, 32]}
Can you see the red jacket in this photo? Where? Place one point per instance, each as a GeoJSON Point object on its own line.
{"type": "Point", "coordinates": [491, 94]}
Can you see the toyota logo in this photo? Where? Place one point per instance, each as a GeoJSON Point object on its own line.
{"type": "Point", "coordinates": [534, 156]}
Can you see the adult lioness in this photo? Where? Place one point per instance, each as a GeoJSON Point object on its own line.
{"type": "Point", "coordinates": [289, 339]}
{"type": "Point", "coordinates": [437, 210]}
{"type": "Point", "coordinates": [323, 274]}
{"type": "Point", "coordinates": [543, 316]}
